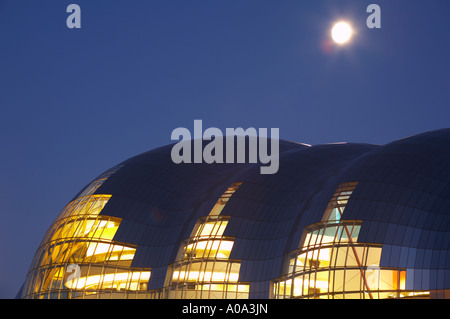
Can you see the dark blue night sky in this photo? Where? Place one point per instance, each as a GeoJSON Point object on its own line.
{"type": "Point", "coordinates": [75, 102]}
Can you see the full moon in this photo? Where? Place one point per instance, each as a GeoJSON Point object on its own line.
{"type": "Point", "coordinates": [341, 32]}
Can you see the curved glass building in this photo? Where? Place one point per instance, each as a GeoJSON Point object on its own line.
{"type": "Point", "coordinates": [336, 221]}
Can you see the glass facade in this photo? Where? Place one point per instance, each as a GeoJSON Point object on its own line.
{"type": "Point", "coordinates": [337, 221]}
{"type": "Point", "coordinates": [78, 257]}
{"type": "Point", "coordinates": [330, 262]}
{"type": "Point", "coordinates": [203, 269]}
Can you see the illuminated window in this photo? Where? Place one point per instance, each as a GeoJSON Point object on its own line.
{"type": "Point", "coordinates": [203, 268]}
{"type": "Point", "coordinates": [330, 263]}
{"type": "Point", "coordinates": [78, 257]}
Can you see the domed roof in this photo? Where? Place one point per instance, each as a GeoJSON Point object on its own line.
{"type": "Point", "coordinates": [400, 199]}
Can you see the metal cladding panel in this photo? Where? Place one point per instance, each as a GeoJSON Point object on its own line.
{"type": "Point", "coordinates": [402, 198]}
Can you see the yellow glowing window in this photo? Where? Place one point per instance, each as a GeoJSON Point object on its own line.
{"type": "Point", "coordinates": [118, 280]}
{"type": "Point", "coordinates": [203, 270]}
{"type": "Point", "coordinates": [82, 238]}
{"type": "Point", "coordinates": [209, 272]}
{"type": "Point", "coordinates": [211, 229]}
{"type": "Point", "coordinates": [105, 251]}
{"type": "Point", "coordinates": [218, 207]}
{"type": "Point", "coordinates": [78, 256]}
{"type": "Point", "coordinates": [210, 249]}
{"type": "Point", "coordinates": [331, 263]}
